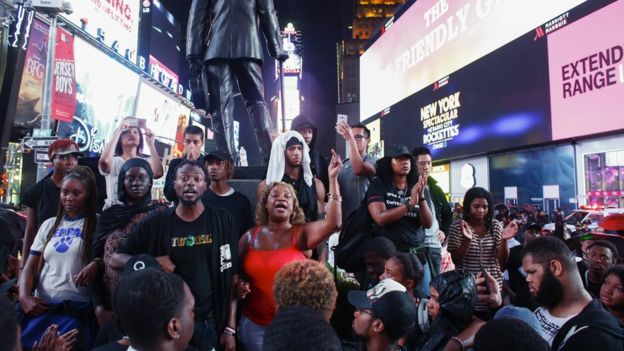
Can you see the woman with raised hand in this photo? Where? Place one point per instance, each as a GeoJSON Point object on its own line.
{"type": "Point", "coordinates": [280, 237]}
{"type": "Point", "coordinates": [126, 143]}
{"type": "Point", "coordinates": [478, 242]}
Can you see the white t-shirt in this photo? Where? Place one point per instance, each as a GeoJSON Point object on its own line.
{"type": "Point", "coordinates": [550, 324]}
{"type": "Point", "coordinates": [111, 181]}
{"type": "Point", "coordinates": [61, 261]}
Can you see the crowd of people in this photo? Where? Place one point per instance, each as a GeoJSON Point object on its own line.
{"type": "Point", "coordinates": [200, 271]}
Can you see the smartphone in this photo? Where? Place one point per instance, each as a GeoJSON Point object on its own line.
{"type": "Point", "coordinates": [137, 122]}
{"type": "Point", "coordinates": [487, 286]}
{"type": "Point", "coordinates": [342, 118]}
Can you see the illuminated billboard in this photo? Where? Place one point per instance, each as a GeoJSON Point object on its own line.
{"type": "Point", "coordinates": [101, 102]}
{"type": "Point", "coordinates": [434, 38]}
{"type": "Point", "coordinates": [114, 23]}
{"type": "Point", "coordinates": [586, 60]}
{"type": "Point", "coordinates": [162, 112]}
{"type": "Point", "coordinates": [487, 105]}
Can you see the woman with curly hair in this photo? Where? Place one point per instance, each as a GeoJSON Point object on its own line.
{"type": "Point", "coordinates": [478, 242]}
{"type": "Point", "coordinates": [280, 237]}
{"type": "Point", "coordinates": [306, 283]}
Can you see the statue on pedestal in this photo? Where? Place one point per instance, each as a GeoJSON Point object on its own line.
{"type": "Point", "coordinates": [223, 45]}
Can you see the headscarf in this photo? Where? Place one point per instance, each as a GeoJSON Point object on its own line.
{"type": "Point", "coordinates": [457, 293]}
{"type": "Point", "coordinates": [118, 216]}
{"type": "Point", "coordinates": [277, 162]}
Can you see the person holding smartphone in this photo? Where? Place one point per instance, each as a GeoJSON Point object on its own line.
{"type": "Point", "coordinates": [126, 143]}
{"type": "Point", "coordinates": [358, 168]}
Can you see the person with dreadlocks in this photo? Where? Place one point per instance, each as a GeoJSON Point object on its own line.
{"type": "Point", "coordinates": [59, 267]}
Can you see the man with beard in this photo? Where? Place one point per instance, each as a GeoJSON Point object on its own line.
{"type": "Point", "coordinates": [220, 194]}
{"type": "Point", "coordinates": [42, 199]}
{"type": "Point", "coordinates": [199, 244]}
{"type": "Point", "coordinates": [570, 319]}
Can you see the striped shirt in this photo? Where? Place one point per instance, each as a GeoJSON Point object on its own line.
{"type": "Point", "coordinates": [482, 250]}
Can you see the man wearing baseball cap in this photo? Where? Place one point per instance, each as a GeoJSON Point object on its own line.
{"type": "Point", "coordinates": [220, 169]}
{"type": "Point", "coordinates": [42, 199]}
{"type": "Point", "coordinates": [384, 314]}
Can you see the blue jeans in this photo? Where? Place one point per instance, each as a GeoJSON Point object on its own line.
{"type": "Point", "coordinates": [250, 334]}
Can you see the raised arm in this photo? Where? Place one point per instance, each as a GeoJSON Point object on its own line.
{"type": "Point", "coordinates": [360, 168]}
{"type": "Point", "coordinates": [106, 158]}
{"type": "Point", "coordinates": [315, 232]}
{"type": "Point", "coordinates": [155, 162]}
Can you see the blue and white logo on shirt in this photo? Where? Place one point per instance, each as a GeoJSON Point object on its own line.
{"type": "Point", "coordinates": [64, 237]}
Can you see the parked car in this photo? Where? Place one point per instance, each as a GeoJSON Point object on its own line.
{"type": "Point", "coordinates": [579, 216]}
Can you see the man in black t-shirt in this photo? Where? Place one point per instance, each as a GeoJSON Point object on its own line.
{"type": "Point", "coordinates": [42, 199]}
{"type": "Point", "coordinates": [220, 194]}
{"type": "Point", "coordinates": [198, 243]}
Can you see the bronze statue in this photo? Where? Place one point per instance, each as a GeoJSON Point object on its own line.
{"type": "Point", "coordinates": [223, 45]}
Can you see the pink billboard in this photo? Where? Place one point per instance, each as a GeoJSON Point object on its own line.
{"type": "Point", "coordinates": [434, 38]}
{"type": "Point", "coordinates": [586, 69]}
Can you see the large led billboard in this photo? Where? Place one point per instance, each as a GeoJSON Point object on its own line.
{"type": "Point", "coordinates": [161, 111]}
{"type": "Point", "coordinates": [114, 23]}
{"type": "Point", "coordinates": [558, 81]}
{"type": "Point", "coordinates": [101, 102]}
{"type": "Point", "coordinates": [434, 38]}
{"type": "Point", "coordinates": [586, 60]}
{"type": "Point", "coordinates": [487, 105]}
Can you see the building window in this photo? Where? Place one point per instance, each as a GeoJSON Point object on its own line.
{"type": "Point", "coordinates": [604, 179]}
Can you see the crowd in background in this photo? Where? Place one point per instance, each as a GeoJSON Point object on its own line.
{"type": "Point", "coordinates": [203, 271]}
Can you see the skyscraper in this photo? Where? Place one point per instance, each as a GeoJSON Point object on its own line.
{"type": "Point", "coordinates": [367, 16]}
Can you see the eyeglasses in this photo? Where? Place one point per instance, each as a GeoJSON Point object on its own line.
{"type": "Point", "coordinates": [366, 311]}
{"type": "Point", "coordinates": [359, 136]}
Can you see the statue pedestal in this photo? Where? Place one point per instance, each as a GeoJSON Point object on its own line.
{"type": "Point", "coordinates": [246, 181]}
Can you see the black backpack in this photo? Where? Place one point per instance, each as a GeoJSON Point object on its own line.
{"type": "Point", "coordinates": [356, 230]}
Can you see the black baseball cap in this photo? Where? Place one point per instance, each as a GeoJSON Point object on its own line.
{"type": "Point", "coordinates": [219, 154]}
{"type": "Point", "coordinates": [395, 151]}
{"type": "Point", "coordinates": [140, 262]}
